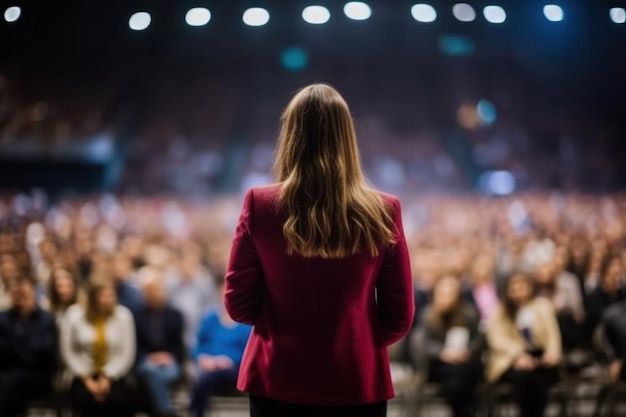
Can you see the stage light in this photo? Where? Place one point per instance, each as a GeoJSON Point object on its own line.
{"type": "Point", "coordinates": [139, 21]}
{"type": "Point", "coordinates": [256, 16]}
{"type": "Point", "coordinates": [198, 16]}
{"type": "Point", "coordinates": [316, 15]}
{"type": "Point", "coordinates": [553, 12]}
{"type": "Point", "coordinates": [618, 15]}
{"type": "Point", "coordinates": [494, 14]}
{"type": "Point", "coordinates": [424, 13]}
{"type": "Point", "coordinates": [357, 10]}
{"type": "Point", "coordinates": [11, 14]}
{"type": "Point", "coordinates": [464, 12]}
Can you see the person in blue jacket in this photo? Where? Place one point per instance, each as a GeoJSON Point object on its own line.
{"type": "Point", "coordinates": [219, 348]}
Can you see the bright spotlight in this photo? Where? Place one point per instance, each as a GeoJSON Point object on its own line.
{"type": "Point", "coordinates": [618, 15]}
{"type": "Point", "coordinates": [316, 15]}
{"type": "Point", "coordinates": [553, 12]}
{"type": "Point", "coordinates": [357, 10]}
{"type": "Point", "coordinates": [424, 13]}
{"type": "Point", "coordinates": [139, 21]}
{"type": "Point", "coordinates": [464, 12]}
{"type": "Point", "coordinates": [11, 14]}
{"type": "Point", "coordinates": [256, 16]}
{"type": "Point", "coordinates": [494, 14]}
{"type": "Point", "coordinates": [198, 16]}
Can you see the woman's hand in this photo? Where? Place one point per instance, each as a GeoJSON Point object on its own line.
{"type": "Point", "coordinates": [454, 356]}
{"type": "Point", "coordinates": [615, 370]}
{"type": "Point", "coordinates": [525, 362]}
{"type": "Point", "coordinates": [94, 388]}
{"type": "Point", "coordinates": [207, 363]}
{"type": "Point", "coordinates": [549, 361]}
{"type": "Point", "coordinates": [105, 385]}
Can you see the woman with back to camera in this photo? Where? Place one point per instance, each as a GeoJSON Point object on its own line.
{"type": "Point", "coordinates": [319, 265]}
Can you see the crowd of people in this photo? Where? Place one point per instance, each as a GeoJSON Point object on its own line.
{"type": "Point", "coordinates": [102, 295]}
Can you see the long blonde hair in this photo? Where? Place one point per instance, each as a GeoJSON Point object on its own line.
{"type": "Point", "coordinates": [332, 212]}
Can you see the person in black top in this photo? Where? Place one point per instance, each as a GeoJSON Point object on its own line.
{"type": "Point", "coordinates": [28, 349]}
{"type": "Point", "coordinates": [160, 346]}
{"type": "Point", "coordinates": [447, 345]}
{"type": "Point", "coordinates": [609, 291]}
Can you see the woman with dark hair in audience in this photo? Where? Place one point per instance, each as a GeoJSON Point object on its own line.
{"type": "Point", "coordinates": [608, 292]}
{"type": "Point", "coordinates": [62, 293]}
{"type": "Point", "coordinates": [525, 345]}
{"type": "Point", "coordinates": [98, 347]}
{"type": "Point", "coordinates": [563, 292]}
{"type": "Point", "coordinates": [218, 354]}
{"type": "Point", "coordinates": [447, 345]}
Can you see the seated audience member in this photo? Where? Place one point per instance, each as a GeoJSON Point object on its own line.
{"type": "Point", "coordinates": [98, 348]}
{"type": "Point", "coordinates": [28, 349]}
{"type": "Point", "coordinates": [563, 291]}
{"type": "Point", "coordinates": [192, 292]}
{"type": "Point", "coordinates": [447, 345]}
{"type": "Point", "coordinates": [9, 270]}
{"type": "Point", "coordinates": [608, 292]}
{"type": "Point", "coordinates": [614, 322]}
{"type": "Point", "coordinates": [62, 293]}
{"type": "Point", "coordinates": [127, 294]}
{"type": "Point", "coordinates": [484, 291]}
{"type": "Point", "coordinates": [160, 346]}
{"type": "Point", "coordinates": [525, 345]}
{"type": "Point", "coordinates": [219, 349]}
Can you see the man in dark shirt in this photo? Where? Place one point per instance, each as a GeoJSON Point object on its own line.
{"type": "Point", "coordinates": [160, 346]}
{"type": "Point", "coordinates": [28, 349]}
{"type": "Point", "coordinates": [127, 295]}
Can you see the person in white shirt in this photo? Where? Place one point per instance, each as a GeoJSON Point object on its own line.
{"type": "Point", "coordinates": [98, 347]}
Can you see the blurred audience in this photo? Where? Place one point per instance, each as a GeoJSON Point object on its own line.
{"type": "Point", "coordinates": [98, 347]}
{"type": "Point", "coordinates": [447, 345]}
{"type": "Point", "coordinates": [160, 345]}
{"type": "Point", "coordinates": [525, 345]}
{"type": "Point", "coordinates": [572, 246]}
{"type": "Point", "coordinates": [218, 353]}
{"type": "Point", "coordinates": [28, 349]}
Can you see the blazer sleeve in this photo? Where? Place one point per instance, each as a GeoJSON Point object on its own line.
{"type": "Point", "coordinates": [242, 296]}
{"type": "Point", "coordinates": [394, 287]}
{"type": "Point", "coordinates": [121, 363]}
{"type": "Point", "coordinates": [74, 361]}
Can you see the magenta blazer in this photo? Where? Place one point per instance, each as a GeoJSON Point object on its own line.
{"type": "Point", "coordinates": [321, 326]}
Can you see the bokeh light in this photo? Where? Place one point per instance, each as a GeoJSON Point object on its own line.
{"type": "Point", "coordinates": [486, 112]}
{"type": "Point", "coordinates": [11, 14]}
{"type": "Point", "coordinates": [553, 13]}
{"type": "Point", "coordinates": [424, 13]}
{"type": "Point", "coordinates": [294, 58]}
{"type": "Point", "coordinates": [497, 182]}
{"type": "Point", "coordinates": [464, 12]}
{"type": "Point", "coordinates": [316, 15]}
{"type": "Point", "coordinates": [198, 16]}
{"type": "Point", "coordinates": [618, 15]}
{"type": "Point", "coordinates": [256, 16]}
{"type": "Point", "coordinates": [494, 14]}
{"type": "Point", "coordinates": [357, 10]}
{"type": "Point", "coordinates": [139, 21]}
